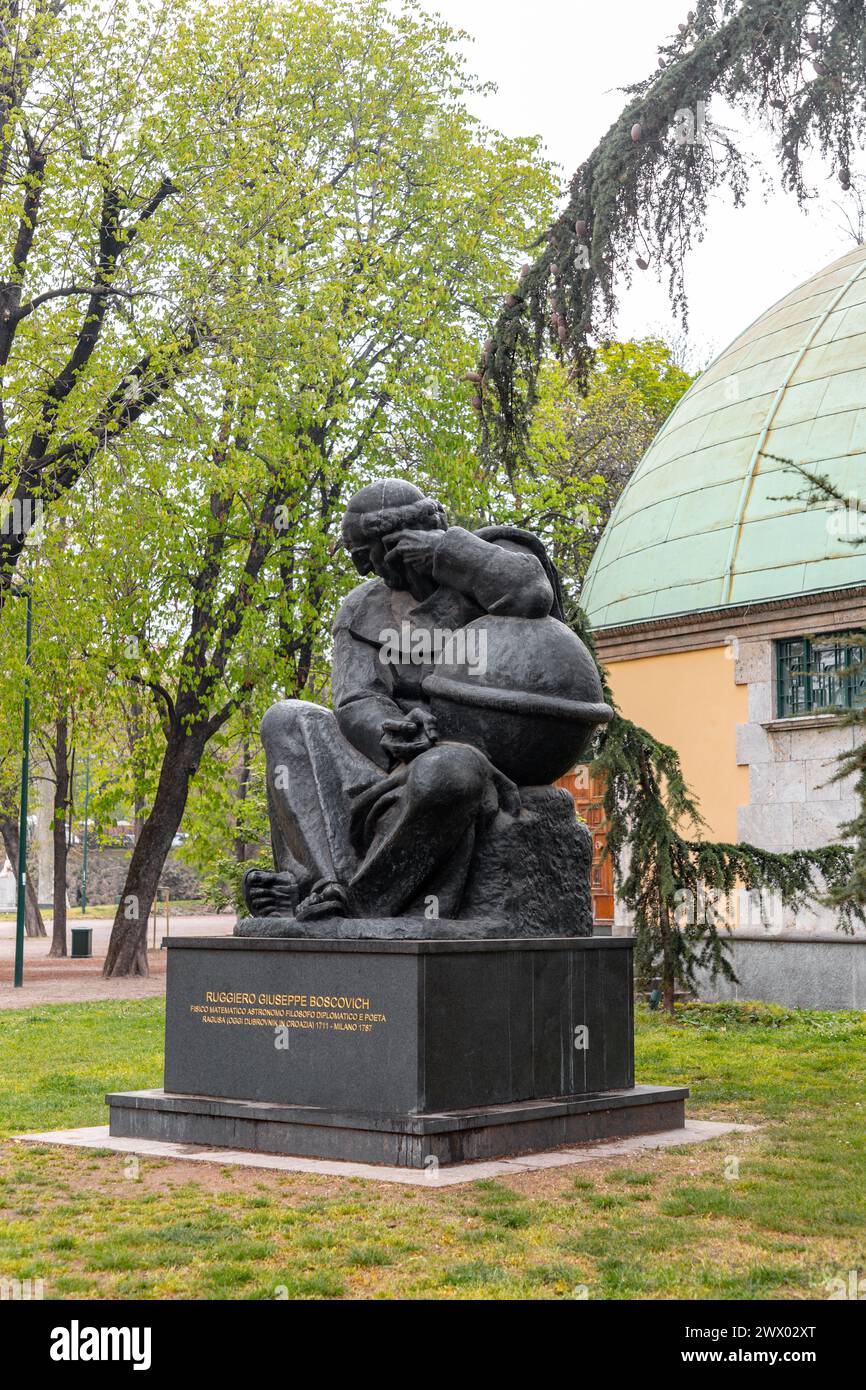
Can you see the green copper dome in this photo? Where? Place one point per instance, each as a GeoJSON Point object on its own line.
{"type": "Point", "coordinates": [710, 517]}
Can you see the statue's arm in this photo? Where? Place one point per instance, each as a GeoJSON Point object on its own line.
{"type": "Point", "coordinates": [361, 692]}
{"type": "Point", "coordinates": [503, 577]}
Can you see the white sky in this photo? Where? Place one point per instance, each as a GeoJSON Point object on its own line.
{"type": "Point", "coordinates": [557, 65]}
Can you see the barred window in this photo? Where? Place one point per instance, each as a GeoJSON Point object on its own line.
{"type": "Point", "coordinates": [820, 676]}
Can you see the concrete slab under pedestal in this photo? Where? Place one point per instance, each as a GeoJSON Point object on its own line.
{"type": "Point", "coordinates": [401, 1140]}
{"type": "Point", "coordinates": [433, 1176]}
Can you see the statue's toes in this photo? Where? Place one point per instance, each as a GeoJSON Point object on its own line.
{"type": "Point", "coordinates": [328, 899]}
{"type": "Point", "coordinates": [263, 903]}
{"type": "Point", "coordinates": [312, 909]}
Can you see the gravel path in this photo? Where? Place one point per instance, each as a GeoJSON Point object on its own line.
{"type": "Point", "coordinates": [68, 981]}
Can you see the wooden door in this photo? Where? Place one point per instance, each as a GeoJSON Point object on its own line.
{"type": "Point", "coordinates": [588, 792]}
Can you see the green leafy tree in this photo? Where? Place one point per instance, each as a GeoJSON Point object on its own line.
{"type": "Point", "coordinates": [115, 270]}
{"type": "Point", "coordinates": [641, 198]}
{"type": "Point", "coordinates": [41, 679]}
{"type": "Point", "coordinates": [10, 813]}
{"type": "Point", "coordinates": [224, 869]}
{"type": "Point", "coordinates": [632, 388]}
{"type": "Point", "coordinates": [341, 230]}
{"type": "Point", "coordinates": [848, 894]}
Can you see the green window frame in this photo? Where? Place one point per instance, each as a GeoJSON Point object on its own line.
{"type": "Point", "coordinates": [821, 675]}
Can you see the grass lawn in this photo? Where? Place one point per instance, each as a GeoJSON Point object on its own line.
{"type": "Point", "coordinates": [772, 1214]}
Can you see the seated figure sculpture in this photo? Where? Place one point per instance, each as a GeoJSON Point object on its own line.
{"type": "Point", "coordinates": [377, 808]}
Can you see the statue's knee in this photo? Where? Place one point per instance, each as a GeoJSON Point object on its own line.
{"type": "Point", "coordinates": [284, 719]}
{"type": "Point", "coordinates": [448, 774]}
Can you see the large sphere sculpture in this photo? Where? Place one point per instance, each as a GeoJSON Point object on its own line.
{"type": "Point", "coordinates": [531, 702]}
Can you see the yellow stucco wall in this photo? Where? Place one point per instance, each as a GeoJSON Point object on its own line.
{"type": "Point", "coordinates": [690, 700]}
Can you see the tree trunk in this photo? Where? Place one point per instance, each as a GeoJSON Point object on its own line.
{"type": "Point", "coordinates": [61, 809]}
{"type": "Point", "coordinates": [33, 923]}
{"type": "Point", "coordinates": [127, 947]}
{"type": "Point", "coordinates": [135, 732]}
{"type": "Point", "coordinates": [242, 789]}
{"type": "Point", "coordinates": [668, 970]}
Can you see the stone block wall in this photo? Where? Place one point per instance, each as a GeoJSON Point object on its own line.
{"type": "Point", "coordinates": [803, 970]}
{"type": "Point", "coordinates": [793, 801]}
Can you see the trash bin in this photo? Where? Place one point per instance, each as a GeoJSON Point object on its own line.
{"type": "Point", "coordinates": [82, 941]}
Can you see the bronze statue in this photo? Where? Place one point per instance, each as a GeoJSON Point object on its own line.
{"type": "Point", "coordinates": [459, 696]}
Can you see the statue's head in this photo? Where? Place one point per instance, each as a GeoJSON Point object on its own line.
{"type": "Point", "coordinates": [378, 511]}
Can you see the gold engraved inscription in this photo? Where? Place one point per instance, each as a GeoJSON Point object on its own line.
{"type": "Point", "coordinates": [336, 1013]}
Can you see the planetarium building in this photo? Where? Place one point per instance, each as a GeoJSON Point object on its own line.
{"type": "Point", "coordinates": [722, 598]}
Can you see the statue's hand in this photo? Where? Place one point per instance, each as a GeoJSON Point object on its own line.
{"type": "Point", "coordinates": [417, 549]}
{"type": "Point", "coordinates": [507, 793]}
{"type": "Point", "coordinates": [271, 894]}
{"type": "Point", "coordinates": [404, 739]}
{"type": "Point", "coordinates": [326, 899]}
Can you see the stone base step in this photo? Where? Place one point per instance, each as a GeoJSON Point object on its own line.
{"type": "Point", "coordinates": [411, 1141]}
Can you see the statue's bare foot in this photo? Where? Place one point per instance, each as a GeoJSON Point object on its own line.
{"type": "Point", "coordinates": [327, 899]}
{"type": "Point", "coordinates": [271, 894]}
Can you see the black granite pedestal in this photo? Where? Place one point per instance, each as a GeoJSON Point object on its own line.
{"type": "Point", "coordinates": [397, 1051]}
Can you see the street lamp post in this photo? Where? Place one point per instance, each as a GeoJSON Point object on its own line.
{"type": "Point", "coordinates": [22, 828]}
